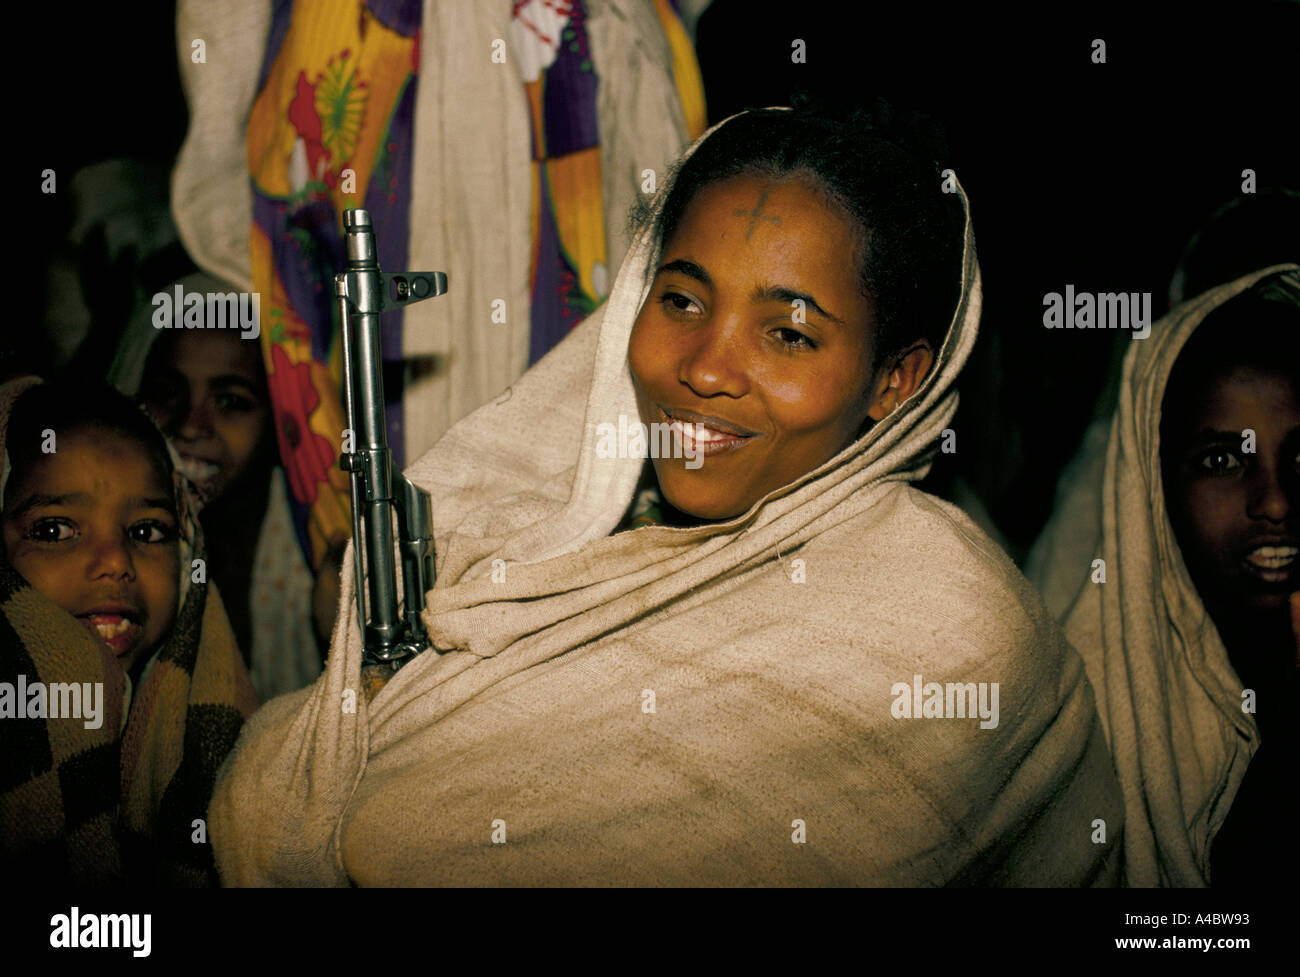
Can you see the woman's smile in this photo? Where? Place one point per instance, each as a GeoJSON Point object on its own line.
{"type": "Point", "coordinates": [1273, 562]}
{"type": "Point", "coordinates": [200, 471]}
{"type": "Point", "coordinates": [705, 435]}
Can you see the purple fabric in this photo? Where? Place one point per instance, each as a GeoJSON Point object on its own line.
{"type": "Point", "coordinates": [568, 125]}
{"type": "Point", "coordinates": [306, 252]}
{"type": "Point", "coordinates": [280, 17]}
{"type": "Point", "coordinates": [569, 92]}
{"type": "Point", "coordinates": [548, 326]}
{"type": "Point", "coordinates": [400, 16]}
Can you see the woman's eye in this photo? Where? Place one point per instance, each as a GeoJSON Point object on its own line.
{"type": "Point", "coordinates": [793, 338]}
{"type": "Point", "coordinates": [235, 403]}
{"type": "Point", "coordinates": [678, 302]}
{"type": "Point", "coordinates": [51, 531]}
{"type": "Point", "coordinates": [1219, 461]}
{"type": "Point", "coordinates": [153, 388]}
{"type": "Point", "coordinates": [163, 394]}
{"type": "Point", "coordinates": [152, 531]}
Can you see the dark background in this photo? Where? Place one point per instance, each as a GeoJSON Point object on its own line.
{"type": "Point", "coordinates": [1095, 175]}
{"type": "Point", "coordinates": [1091, 174]}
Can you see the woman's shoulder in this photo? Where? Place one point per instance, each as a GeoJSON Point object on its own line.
{"type": "Point", "coordinates": [925, 539]}
{"type": "Point", "coordinates": [918, 559]}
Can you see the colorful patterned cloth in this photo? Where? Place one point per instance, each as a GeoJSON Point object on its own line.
{"type": "Point", "coordinates": [570, 266]}
{"type": "Point", "coordinates": [330, 129]}
{"type": "Point", "coordinates": [337, 96]}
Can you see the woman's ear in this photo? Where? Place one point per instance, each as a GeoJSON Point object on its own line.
{"type": "Point", "coordinates": [902, 378]}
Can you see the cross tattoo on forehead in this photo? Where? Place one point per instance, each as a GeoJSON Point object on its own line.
{"type": "Point", "coordinates": [756, 215]}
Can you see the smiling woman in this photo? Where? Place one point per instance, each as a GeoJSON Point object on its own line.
{"type": "Point", "coordinates": [717, 348]}
{"type": "Point", "coordinates": [808, 273]}
{"type": "Point", "coordinates": [703, 696]}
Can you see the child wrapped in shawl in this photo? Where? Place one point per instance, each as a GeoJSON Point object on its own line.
{"type": "Point", "coordinates": [1188, 635]}
{"type": "Point", "coordinates": [751, 691]}
{"type": "Point", "coordinates": [132, 686]}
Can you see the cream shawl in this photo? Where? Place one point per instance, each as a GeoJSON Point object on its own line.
{"type": "Point", "coordinates": [685, 706]}
{"type": "Point", "coordinates": [1167, 695]}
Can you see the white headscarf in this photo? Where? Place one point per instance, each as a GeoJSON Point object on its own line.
{"type": "Point", "coordinates": [1167, 694]}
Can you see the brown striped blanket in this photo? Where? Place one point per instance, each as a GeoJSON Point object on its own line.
{"type": "Point", "coordinates": [110, 805]}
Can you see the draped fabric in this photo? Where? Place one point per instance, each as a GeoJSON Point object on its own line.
{"type": "Point", "coordinates": [308, 109]}
{"type": "Point", "coordinates": [331, 128]}
{"type": "Point", "coordinates": [570, 261]}
{"type": "Point", "coordinates": [680, 706]}
{"type": "Point", "coordinates": [1167, 693]}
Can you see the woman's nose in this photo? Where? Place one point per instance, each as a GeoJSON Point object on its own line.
{"type": "Point", "coordinates": [714, 362]}
{"type": "Point", "coordinates": [196, 420]}
{"type": "Point", "coordinates": [1272, 494]}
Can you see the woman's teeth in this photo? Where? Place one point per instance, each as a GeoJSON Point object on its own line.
{"type": "Point", "coordinates": [197, 470]}
{"type": "Point", "coordinates": [699, 433]}
{"type": "Point", "coordinates": [1272, 557]}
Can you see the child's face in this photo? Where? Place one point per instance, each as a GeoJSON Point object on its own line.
{"type": "Point", "coordinates": [92, 526]}
{"type": "Point", "coordinates": [1236, 513]}
{"type": "Point", "coordinates": [209, 395]}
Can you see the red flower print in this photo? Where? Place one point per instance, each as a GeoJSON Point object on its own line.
{"type": "Point", "coordinates": [307, 457]}
{"type": "Point", "coordinates": [307, 122]}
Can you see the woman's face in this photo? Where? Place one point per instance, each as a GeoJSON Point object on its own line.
{"type": "Point", "coordinates": [1236, 513]}
{"type": "Point", "coordinates": [756, 328]}
{"type": "Point", "coordinates": [207, 391]}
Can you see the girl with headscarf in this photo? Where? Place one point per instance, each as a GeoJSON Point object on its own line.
{"type": "Point", "coordinates": [760, 657]}
{"type": "Point", "coordinates": [1184, 618]}
{"type": "Point", "coordinates": [207, 390]}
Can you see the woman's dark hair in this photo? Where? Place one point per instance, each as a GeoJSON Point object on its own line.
{"type": "Point", "coordinates": [1249, 232]}
{"type": "Point", "coordinates": [66, 406]}
{"type": "Point", "coordinates": [910, 232]}
{"type": "Point", "coordinates": [1258, 328]}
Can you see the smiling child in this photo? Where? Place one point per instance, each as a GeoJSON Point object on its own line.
{"type": "Point", "coordinates": [1230, 452]}
{"type": "Point", "coordinates": [103, 587]}
{"type": "Point", "coordinates": [90, 516]}
{"type": "Point", "coordinates": [1184, 617]}
{"type": "Point", "coordinates": [207, 390]}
